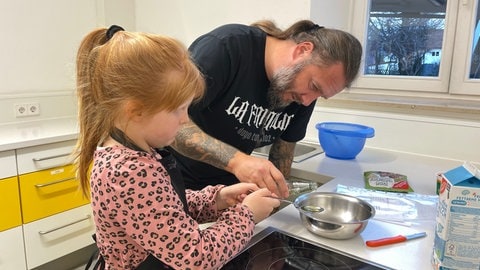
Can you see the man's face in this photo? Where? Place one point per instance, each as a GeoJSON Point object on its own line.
{"type": "Point", "coordinates": [304, 82]}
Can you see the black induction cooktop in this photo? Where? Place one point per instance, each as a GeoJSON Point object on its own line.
{"type": "Point", "coordinates": [280, 251]}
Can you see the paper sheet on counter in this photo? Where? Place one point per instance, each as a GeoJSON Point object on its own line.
{"type": "Point", "coordinates": [402, 208]}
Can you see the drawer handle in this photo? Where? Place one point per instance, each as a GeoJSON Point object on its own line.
{"type": "Point", "coordinates": [54, 182]}
{"type": "Point", "coordinates": [64, 226]}
{"type": "Point", "coordinates": [50, 157]}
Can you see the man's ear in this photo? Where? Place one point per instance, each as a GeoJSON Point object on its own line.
{"type": "Point", "coordinates": [303, 49]}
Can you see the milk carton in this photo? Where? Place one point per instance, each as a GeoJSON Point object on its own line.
{"type": "Point", "coordinates": [457, 232]}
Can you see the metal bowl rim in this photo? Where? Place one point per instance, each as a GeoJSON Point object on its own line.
{"type": "Point", "coordinates": [354, 199]}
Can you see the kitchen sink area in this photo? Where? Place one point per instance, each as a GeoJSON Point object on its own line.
{"type": "Point", "coordinates": [300, 181]}
{"type": "Point", "coordinates": [302, 151]}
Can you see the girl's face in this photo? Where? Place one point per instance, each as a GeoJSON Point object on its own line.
{"type": "Point", "coordinates": [160, 129]}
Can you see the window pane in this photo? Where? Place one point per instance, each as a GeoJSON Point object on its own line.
{"type": "Point", "coordinates": [475, 60]}
{"type": "Point", "coordinates": [405, 37]}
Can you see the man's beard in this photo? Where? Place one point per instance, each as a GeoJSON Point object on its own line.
{"type": "Point", "coordinates": [281, 82]}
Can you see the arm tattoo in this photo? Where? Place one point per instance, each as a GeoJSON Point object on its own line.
{"type": "Point", "coordinates": [192, 142]}
{"type": "Point", "coordinates": [281, 155]}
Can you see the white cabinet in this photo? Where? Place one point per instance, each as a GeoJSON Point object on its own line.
{"type": "Point", "coordinates": [52, 237]}
{"type": "Point", "coordinates": [57, 218]}
{"type": "Point", "coordinates": [8, 164]}
{"type": "Point", "coordinates": [47, 216]}
{"type": "Point", "coordinates": [12, 254]}
{"type": "Point", "coordinates": [45, 156]}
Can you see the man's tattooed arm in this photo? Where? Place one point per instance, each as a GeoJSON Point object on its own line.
{"type": "Point", "coordinates": [192, 142]}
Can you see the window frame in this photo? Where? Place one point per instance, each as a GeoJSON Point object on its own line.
{"type": "Point", "coordinates": [451, 84]}
{"type": "Point", "coordinates": [398, 84]}
{"type": "Point", "coordinates": [460, 82]}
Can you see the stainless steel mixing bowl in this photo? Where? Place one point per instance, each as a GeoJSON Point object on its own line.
{"type": "Point", "coordinates": [344, 216]}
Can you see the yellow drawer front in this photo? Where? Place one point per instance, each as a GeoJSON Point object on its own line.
{"type": "Point", "coordinates": [10, 204]}
{"type": "Point", "coordinates": [49, 192]}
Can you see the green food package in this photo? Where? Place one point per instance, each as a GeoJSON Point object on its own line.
{"type": "Point", "coordinates": [386, 181]}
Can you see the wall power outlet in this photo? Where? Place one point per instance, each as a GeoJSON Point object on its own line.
{"type": "Point", "coordinates": [26, 109]}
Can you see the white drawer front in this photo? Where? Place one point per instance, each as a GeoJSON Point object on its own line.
{"type": "Point", "coordinates": [8, 163]}
{"type": "Point", "coordinates": [45, 156]}
{"type": "Point", "coordinates": [56, 236]}
{"type": "Point", "coordinates": [12, 254]}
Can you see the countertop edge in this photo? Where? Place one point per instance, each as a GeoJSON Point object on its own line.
{"type": "Point", "coordinates": [33, 133]}
{"type": "Point", "coordinates": [36, 142]}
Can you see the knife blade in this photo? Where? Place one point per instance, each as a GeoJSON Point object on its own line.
{"type": "Point", "coordinates": [394, 239]}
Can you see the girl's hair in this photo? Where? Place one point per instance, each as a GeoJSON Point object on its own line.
{"type": "Point", "coordinates": [153, 71]}
{"type": "Point", "coordinates": [331, 45]}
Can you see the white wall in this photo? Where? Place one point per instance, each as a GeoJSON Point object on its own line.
{"type": "Point", "coordinates": [427, 135]}
{"type": "Point", "coordinates": [321, 13]}
{"type": "Point", "coordinates": [40, 39]}
{"type": "Point", "coordinates": [39, 44]}
{"type": "Point", "coordinates": [119, 12]}
{"type": "Point", "coordinates": [187, 19]}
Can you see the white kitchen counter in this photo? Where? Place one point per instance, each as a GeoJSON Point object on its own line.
{"type": "Point", "coordinates": [25, 134]}
{"type": "Point", "coordinates": [421, 172]}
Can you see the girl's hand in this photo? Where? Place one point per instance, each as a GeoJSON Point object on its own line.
{"type": "Point", "coordinates": [259, 201]}
{"type": "Point", "coordinates": [261, 204]}
{"type": "Point", "coordinates": [231, 195]}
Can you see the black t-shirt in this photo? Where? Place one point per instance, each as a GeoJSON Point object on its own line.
{"type": "Point", "coordinates": [235, 108]}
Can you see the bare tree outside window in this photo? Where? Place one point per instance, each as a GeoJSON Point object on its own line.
{"type": "Point", "coordinates": [475, 61]}
{"type": "Point", "coordinates": [405, 38]}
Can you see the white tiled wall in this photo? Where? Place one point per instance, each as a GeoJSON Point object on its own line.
{"type": "Point", "coordinates": [52, 105]}
{"type": "Point", "coordinates": [432, 136]}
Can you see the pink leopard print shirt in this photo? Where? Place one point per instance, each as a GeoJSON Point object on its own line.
{"type": "Point", "coordinates": [137, 212]}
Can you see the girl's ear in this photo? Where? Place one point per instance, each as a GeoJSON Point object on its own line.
{"type": "Point", "coordinates": [133, 110]}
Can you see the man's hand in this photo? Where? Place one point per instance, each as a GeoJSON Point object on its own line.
{"type": "Point", "coordinates": [262, 172]}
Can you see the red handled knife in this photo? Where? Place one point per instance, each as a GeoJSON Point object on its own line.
{"type": "Point", "coordinates": [394, 239]}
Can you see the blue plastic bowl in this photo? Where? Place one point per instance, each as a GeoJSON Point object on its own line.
{"type": "Point", "coordinates": [343, 140]}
